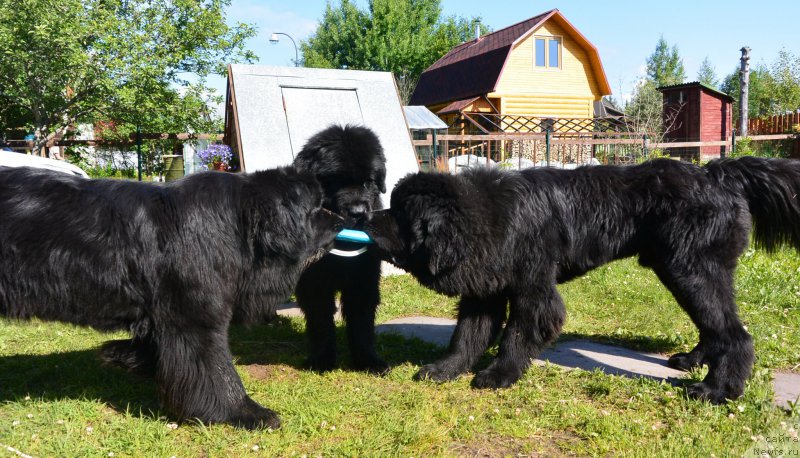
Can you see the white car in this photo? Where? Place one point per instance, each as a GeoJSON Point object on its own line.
{"type": "Point", "coordinates": [12, 159]}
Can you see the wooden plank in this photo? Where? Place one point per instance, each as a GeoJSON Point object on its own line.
{"type": "Point", "coordinates": [772, 137]}
{"type": "Point", "coordinates": [689, 144]}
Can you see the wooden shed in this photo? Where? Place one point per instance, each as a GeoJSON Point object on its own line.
{"type": "Point", "coordinates": [695, 112]}
{"type": "Point", "coordinates": [540, 68]}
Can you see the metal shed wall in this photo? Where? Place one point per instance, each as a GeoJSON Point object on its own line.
{"type": "Point", "coordinates": [276, 110]}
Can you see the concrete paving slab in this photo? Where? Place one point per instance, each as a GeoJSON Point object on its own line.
{"type": "Point", "coordinates": [429, 329]}
{"type": "Point", "coordinates": [290, 309]}
{"type": "Point", "coordinates": [787, 388]}
{"type": "Point", "coordinates": [575, 354]}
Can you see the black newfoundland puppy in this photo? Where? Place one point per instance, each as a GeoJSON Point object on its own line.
{"type": "Point", "coordinates": [349, 163]}
{"type": "Point", "coordinates": [494, 237]}
{"type": "Point", "coordinates": [172, 264]}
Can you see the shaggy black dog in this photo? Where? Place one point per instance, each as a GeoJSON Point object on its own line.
{"type": "Point", "coordinates": [171, 264]}
{"type": "Point", "coordinates": [494, 237]}
{"type": "Point", "coordinates": [349, 163]}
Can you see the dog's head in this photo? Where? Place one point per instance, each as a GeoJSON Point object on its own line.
{"type": "Point", "coordinates": [423, 230]}
{"type": "Point", "coordinates": [287, 217]}
{"type": "Point", "coordinates": [350, 165]}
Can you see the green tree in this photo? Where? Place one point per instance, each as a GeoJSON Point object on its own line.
{"type": "Point", "coordinates": [400, 36]}
{"type": "Point", "coordinates": [761, 100]}
{"type": "Point", "coordinates": [129, 61]}
{"type": "Point", "coordinates": [665, 66]}
{"type": "Point", "coordinates": [786, 75]}
{"type": "Point", "coordinates": [706, 74]}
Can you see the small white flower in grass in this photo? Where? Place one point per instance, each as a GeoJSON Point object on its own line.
{"type": "Point", "coordinates": [29, 416]}
{"type": "Point", "coordinates": [15, 423]}
{"type": "Point", "coordinates": [59, 422]}
{"type": "Point", "coordinates": [471, 418]}
{"type": "Point", "coordinates": [496, 410]}
{"type": "Point", "coordinates": [333, 428]}
{"type": "Point", "coordinates": [172, 426]}
{"type": "Point", "coordinates": [255, 448]}
{"type": "Point", "coordinates": [740, 408]}
{"type": "Point", "coordinates": [110, 453]}
{"type": "Point", "coordinates": [517, 411]}
{"type": "Point", "coordinates": [27, 398]}
{"type": "Point", "coordinates": [89, 429]}
{"type": "Point", "coordinates": [34, 436]}
{"type": "Point", "coordinates": [745, 328]}
{"type": "Point", "coordinates": [324, 424]}
{"type": "Point", "coordinates": [730, 415]}
{"type": "Point", "coordinates": [605, 412]}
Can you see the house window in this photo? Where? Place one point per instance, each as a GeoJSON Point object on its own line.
{"type": "Point", "coordinates": [540, 52]}
{"type": "Point", "coordinates": [547, 52]}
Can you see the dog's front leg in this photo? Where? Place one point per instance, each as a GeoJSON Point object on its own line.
{"type": "Point", "coordinates": [535, 319]}
{"type": "Point", "coordinates": [479, 323]}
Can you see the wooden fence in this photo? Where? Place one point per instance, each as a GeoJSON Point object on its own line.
{"type": "Point", "coordinates": [779, 124]}
{"type": "Point", "coordinates": [561, 150]}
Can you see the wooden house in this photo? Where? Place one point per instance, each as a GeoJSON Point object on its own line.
{"type": "Point", "coordinates": [540, 68]}
{"type": "Point", "coordinates": [695, 112]}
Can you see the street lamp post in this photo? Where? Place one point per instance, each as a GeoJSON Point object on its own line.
{"type": "Point", "coordinates": [274, 40]}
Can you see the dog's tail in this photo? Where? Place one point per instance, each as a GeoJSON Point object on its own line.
{"type": "Point", "coordinates": [772, 189]}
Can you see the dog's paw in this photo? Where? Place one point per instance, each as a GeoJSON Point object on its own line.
{"type": "Point", "coordinates": [435, 373]}
{"type": "Point", "coordinates": [321, 363]}
{"type": "Point", "coordinates": [494, 379]}
{"type": "Point", "coordinates": [253, 416]}
{"type": "Point", "coordinates": [684, 361]}
{"type": "Point", "coordinates": [132, 358]}
{"type": "Point", "coordinates": [704, 392]}
{"type": "Point", "coordinates": [375, 366]}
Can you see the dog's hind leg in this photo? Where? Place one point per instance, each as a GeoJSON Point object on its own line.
{"type": "Point", "coordinates": [534, 320]}
{"type": "Point", "coordinates": [196, 378]}
{"type": "Point", "coordinates": [479, 322]}
{"type": "Point", "coordinates": [704, 288]}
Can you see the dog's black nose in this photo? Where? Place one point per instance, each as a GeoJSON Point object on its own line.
{"type": "Point", "coordinates": [357, 211]}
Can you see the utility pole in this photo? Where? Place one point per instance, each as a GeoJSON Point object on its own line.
{"type": "Point", "coordinates": [744, 91]}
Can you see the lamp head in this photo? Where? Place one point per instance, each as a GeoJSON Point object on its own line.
{"type": "Point", "coordinates": [273, 38]}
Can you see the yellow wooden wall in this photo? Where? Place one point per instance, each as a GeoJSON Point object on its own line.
{"type": "Point", "coordinates": [567, 92]}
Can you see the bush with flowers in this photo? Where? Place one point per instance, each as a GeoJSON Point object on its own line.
{"type": "Point", "coordinates": [216, 157]}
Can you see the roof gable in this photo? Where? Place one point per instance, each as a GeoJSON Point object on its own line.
{"type": "Point", "coordinates": [473, 68]}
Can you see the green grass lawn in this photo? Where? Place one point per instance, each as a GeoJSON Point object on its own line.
{"type": "Point", "coordinates": [58, 401]}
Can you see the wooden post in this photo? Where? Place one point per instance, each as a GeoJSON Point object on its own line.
{"type": "Point", "coordinates": [744, 79]}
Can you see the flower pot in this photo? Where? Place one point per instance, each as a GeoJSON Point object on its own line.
{"type": "Point", "coordinates": [221, 166]}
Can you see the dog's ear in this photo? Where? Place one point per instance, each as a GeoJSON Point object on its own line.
{"type": "Point", "coordinates": [380, 180]}
{"type": "Point", "coordinates": [444, 243]}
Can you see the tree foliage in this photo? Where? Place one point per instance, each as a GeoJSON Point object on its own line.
{"type": "Point", "coordinates": [774, 89]}
{"type": "Point", "coordinates": [645, 112]}
{"type": "Point", "coordinates": [665, 66]}
{"type": "Point", "coordinates": [706, 74]}
{"type": "Point", "coordinates": [128, 61]}
{"type": "Point", "coordinates": [400, 36]}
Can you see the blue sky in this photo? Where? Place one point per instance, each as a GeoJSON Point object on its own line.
{"type": "Point", "coordinates": [625, 32]}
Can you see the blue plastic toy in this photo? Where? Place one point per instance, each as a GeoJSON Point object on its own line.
{"type": "Point", "coordinates": [350, 235]}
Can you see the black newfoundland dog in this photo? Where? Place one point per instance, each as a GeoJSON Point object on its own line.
{"type": "Point", "coordinates": [494, 237]}
{"type": "Point", "coordinates": [349, 163]}
{"type": "Point", "coordinates": [172, 264]}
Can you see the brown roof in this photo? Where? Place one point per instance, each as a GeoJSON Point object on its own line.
{"type": "Point", "coordinates": [474, 67]}
{"type": "Point", "coordinates": [457, 106]}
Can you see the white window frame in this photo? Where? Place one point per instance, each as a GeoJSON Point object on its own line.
{"type": "Point", "coordinates": [547, 39]}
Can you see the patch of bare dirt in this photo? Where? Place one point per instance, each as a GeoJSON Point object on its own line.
{"type": "Point", "coordinates": [278, 372]}
{"type": "Point", "coordinates": [534, 446]}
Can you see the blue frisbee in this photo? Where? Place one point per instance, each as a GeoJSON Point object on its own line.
{"type": "Point", "coordinates": [350, 235]}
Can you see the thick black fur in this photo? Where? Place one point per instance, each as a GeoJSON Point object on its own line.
{"type": "Point", "coordinates": [172, 264]}
{"type": "Point", "coordinates": [350, 164]}
{"type": "Point", "coordinates": [494, 237]}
